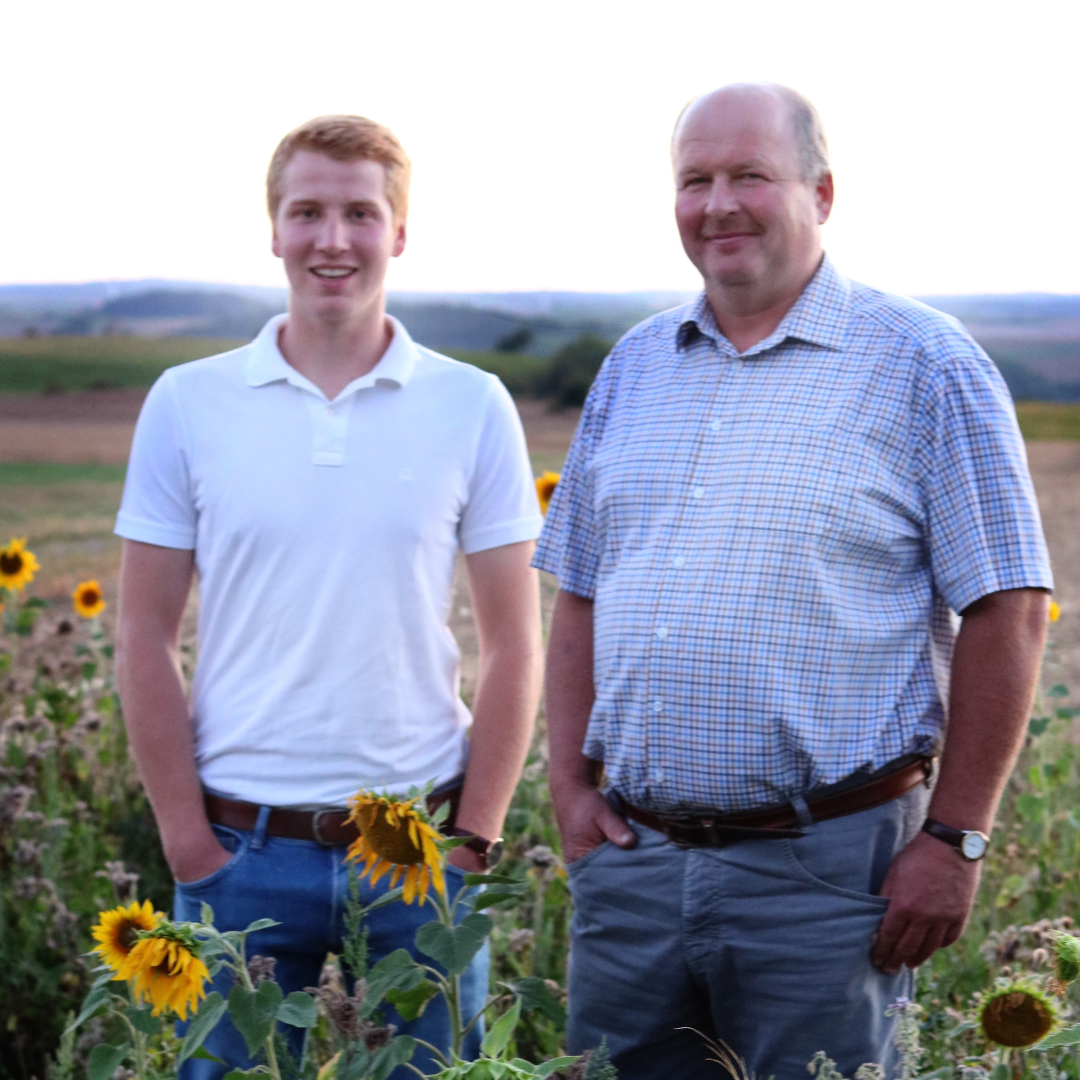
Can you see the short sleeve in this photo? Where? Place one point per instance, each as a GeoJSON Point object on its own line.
{"type": "Point", "coordinates": [983, 524]}
{"type": "Point", "coordinates": [158, 507]}
{"type": "Point", "coordinates": [502, 506]}
{"type": "Point", "coordinates": [570, 546]}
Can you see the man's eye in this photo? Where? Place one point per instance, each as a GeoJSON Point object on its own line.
{"type": "Point", "coordinates": [749, 178]}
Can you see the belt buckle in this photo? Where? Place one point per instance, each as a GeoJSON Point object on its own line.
{"type": "Point", "coordinates": [316, 830]}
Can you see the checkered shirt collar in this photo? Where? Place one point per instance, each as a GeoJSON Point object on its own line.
{"type": "Point", "coordinates": [819, 316]}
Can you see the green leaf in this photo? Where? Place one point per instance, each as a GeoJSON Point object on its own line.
{"type": "Point", "coordinates": [1031, 808]}
{"type": "Point", "coordinates": [143, 1019]}
{"type": "Point", "coordinates": [1073, 818]}
{"type": "Point", "coordinates": [498, 1038]}
{"type": "Point", "coordinates": [253, 1012]}
{"type": "Point", "coordinates": [489, 898]}
{"type": "Point", "coordinates": [1068, 1037]}
{"type": "Point", "coordinates": [492, 879]}
{"type": "Point", "coordinates": [1000, 1071]}
{"type": "Point", "coordinates": [1037, 725]}
{"type": "Point", "coordinates": [398, 971]}
{"type": "Point", "coordinates": [260, 924]}
{"type": "Point", "coordinates": [554, 1065]}
{"type": "Point", "coordinates": [98, 995]}
{"type": "Point", "coordinates": [211, 1010]}
{"type": "Point", "coordinates": [396, 1052]}
{"type": "Point", "coordinates": [534, 994]}
{"type": "Point", "coordinates": [1013, 887]}
{"type": "Point", "coordinates": [105, 1060]}
{"type": "Point", "coordinates": [238, 1074]}
{"type": "Point", "coordinates": [1060, 690]}
{"type": "Point", "coordinates": [454, 947]}
{"type": "Point", "coordinates": [202, 1054]}
{"type": "Point", "coordinates": [386, 898]}
{"type": "Point", "coordinates": [206, 914]}
{"type": "Point", "coordinates": [299, 1010]}
{"type": "Point", "coordinates": [411, 1004]}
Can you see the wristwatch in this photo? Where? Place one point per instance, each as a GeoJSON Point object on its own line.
{"type": "Point", "coordinates": [971, 844]}
{"type": "Point", "coordinates": [491, 851]}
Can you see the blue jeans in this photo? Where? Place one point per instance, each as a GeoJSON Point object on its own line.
{"type": "Point", "coordinates": [304, 886]}
{"type": "Point", "coordinates": [764, 944]}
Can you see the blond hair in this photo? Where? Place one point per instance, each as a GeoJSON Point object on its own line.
{"type": "Point", "coordinates": [344, 138]}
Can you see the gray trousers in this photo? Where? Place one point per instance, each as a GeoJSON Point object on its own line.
{"type": "Point", "coordinates": [764, 944]}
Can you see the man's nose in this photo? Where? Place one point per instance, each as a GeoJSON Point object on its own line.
{"type": "Point", "coordinates": [722, 198]}
{"type": "Point", "coordinates": [332, 234]}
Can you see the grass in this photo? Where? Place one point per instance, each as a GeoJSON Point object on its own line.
{"type": "Point", "coordinates": [39, 365]}
{"type": "Point", "coordinates": [36, 473]}
{"type": "Point", "coordinates": [1049, 421]}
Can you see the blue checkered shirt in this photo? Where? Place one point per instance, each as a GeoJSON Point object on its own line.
{"type": "Point", "coordinates": [774, 541]}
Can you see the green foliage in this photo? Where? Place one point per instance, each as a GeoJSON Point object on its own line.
{"type": "Point", "coordinates": [454, 946]}
{"type": "Point", "coordinates": [572, 371]}
{"type": "Point", "coordinates": [75, 830]}
{"type": "Point", "coordinates": [1048, 420]}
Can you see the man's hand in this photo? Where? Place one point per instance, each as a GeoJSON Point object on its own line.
{"type": "Point", "coordinates": [586, 821]}
{"type": "Point", "coordinates": [931, 888]}
{"type": "Point", "coordinates": [466, 859]}
{"type": "Point", "coordinates": [195, 862]}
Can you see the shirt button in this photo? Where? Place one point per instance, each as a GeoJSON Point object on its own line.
{"type": "Point", "coordinates": [698, 493]}
{"type": "Point", "coordinates": [715, 425]}
{"type": "Point", "coordinates": [657, 706]}
{"type": "Point", "coordinates": [661, 631]}
{"type": "Point", "coordinates": [678, 562]}
{"type": "Point", "coordinates": [658, 775]}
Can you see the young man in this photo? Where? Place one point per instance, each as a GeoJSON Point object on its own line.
{"type": "Point", "coordinates": [322, 480]}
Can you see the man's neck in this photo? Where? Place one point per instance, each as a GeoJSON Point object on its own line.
{"type": "Point", "coordinates": [334, 352]}
{"type": "Point", "coordinates": [745, 316]}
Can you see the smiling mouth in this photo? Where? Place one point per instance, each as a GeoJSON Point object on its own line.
{"type": "Point", "coordinates": [333, 272]}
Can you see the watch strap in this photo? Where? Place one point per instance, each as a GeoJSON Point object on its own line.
{"type": "Point", "coordinates": [947, 833]}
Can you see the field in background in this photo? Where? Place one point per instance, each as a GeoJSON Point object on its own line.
{"type": "Point", "coordinates": [68, 406]}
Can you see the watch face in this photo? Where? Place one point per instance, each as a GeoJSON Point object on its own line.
{"type": "Point", "coordinates": [495, 854]}
{"type": "Point", "coordinates": [973, 846]}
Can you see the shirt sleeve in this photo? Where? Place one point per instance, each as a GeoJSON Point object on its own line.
{"type": "Point", "coordinates": [158, 507]}
{"type": "Point", "coordinates": [502, 506]}
{"type": "Point", "coordinates": [983, 524]}
{"type": "Point", "coordinates": [570, 545]}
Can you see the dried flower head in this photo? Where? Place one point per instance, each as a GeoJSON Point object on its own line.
{"type": "Point", "coordinates": [1017, 1014]}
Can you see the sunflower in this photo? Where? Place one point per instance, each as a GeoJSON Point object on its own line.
{"type": "Point", "coordinates": [17, 565]}
{"type": "Point", "coordinates": [396, 835]}
{"type": "Point", "coordinates": [117, 931]}
{"type": "Point", "coordinates": [545, 488]}
{"type": "Point", "coordinates": [1055, 611]}
{"type": "Point", "coordinates": [1017, 1014]}
{"type": "Point", "coordinates": [167, 970]}
{"type": "Point", "coordinates": [1066, 961]}
{"type": "Point", "coordinates": [87, 599]}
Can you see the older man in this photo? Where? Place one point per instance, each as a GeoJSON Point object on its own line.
{"type": "Point", "coordinates": [776, 497]}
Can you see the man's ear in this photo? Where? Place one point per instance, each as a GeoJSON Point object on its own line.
{"type": "Point", "coordinates": [275, 243]}
{"type": "Point", "coordinates": [399, 240]}
{"type": "Point", "coordinates": [824, 193]}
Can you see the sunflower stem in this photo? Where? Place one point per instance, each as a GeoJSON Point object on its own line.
{"type": "Point", "coordinates": [436, 1052]}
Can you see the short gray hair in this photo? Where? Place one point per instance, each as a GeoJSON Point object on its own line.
{"type": "Point", "coordinates": [810, 141]}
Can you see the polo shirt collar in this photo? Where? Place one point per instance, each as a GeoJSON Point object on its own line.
{"type": "Point", "coordinates": [819, 316]}
{"type": "Point", "coordinates": [267, 365]}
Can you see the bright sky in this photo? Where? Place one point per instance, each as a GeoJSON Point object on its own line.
{"type": "Point", "coordinates": [137, 134]}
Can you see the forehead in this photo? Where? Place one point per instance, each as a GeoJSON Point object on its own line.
{"type": "Point", "coordinates": [318, 178]}
{"type": "Point", "coordinates": [735, 128]}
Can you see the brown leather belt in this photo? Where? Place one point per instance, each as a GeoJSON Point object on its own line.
{"type": "Point", "coordinates": [328, 828]}
{"type": "Point", "coordinates": [783, 820]}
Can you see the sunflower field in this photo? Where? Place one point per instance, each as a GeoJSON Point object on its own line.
{"type": "Point", "coordinates": [83, 884]}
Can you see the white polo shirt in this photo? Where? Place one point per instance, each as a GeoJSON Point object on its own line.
{"type": "Point", "coordinates": [324, 535]}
